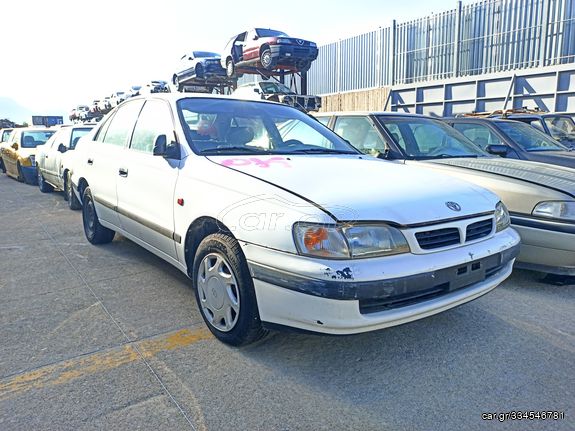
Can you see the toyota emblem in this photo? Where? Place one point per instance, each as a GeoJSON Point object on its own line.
{"type": "Point", "coordinates": [453, 206]}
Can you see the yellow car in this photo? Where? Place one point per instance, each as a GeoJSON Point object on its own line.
{"type": "Point", "coordinates": [18, 154]}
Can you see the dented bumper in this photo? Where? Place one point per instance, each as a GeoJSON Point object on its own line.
{"type": "Point", "coordinates": [343, 297]}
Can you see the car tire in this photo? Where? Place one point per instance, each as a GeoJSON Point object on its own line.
{"type": "Point", "coordinates": [225, 292]}
{"type": "Point", "coordinates": [199, 71]}
{"type": "Point", "coordinates": [266, 59]}
{"type": "Point", "coordinates": [73, 202]}
{"type": "Point", "coordinates": [230, 68]}
{"type": "Point", "coordinates": [20, 177]}
{"type": "Point", "coordinates": [2, 167]}
{"type": "Point", "coordinates": [178, 85]}
{"type": "Point", "coordinates": [94, 231]}
{"type": "Point", "coordinates": [42, 184]}
{"type": "Point", "coordinates": [305, 66]}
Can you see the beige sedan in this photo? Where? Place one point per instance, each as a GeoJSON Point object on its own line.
{"type": "Point", "coordinates": [540, 197]}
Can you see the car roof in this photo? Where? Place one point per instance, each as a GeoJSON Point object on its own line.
{"type": "Point", "coordinates": [381, 113]}
{"type": "Point", "coordinates": [174, 97]}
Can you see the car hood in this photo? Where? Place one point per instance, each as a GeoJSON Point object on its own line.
{"type": "Point", "coordinates": [364, 188]}
{"type": "Point", "coordinates": [554, 177]}
{"type": "Point", "coordinates": [562, 158]}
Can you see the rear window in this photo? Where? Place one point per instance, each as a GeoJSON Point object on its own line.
{"type": "Point", "coordinates": [34, 138]}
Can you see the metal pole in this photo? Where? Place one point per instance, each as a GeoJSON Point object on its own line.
{"type": "Point", "coordinates": [543, 33]}
{"type": "Point", "coordinates": [457, 39]}
{"type": "Point", "coordinates": [393, 52]}
{"type": "Point", "coordinates": [511, 87]}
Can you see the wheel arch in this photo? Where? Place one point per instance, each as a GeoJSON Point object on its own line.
{"type": "Point", "coordinates": [197, 231]}
{"type": "Point", "coordinates": [264, 47]}
{"type": "Point", "coordinates": [82, 184]}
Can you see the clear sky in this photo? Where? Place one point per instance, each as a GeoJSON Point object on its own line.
{"type": "Point", "coordinates": [60, 53]}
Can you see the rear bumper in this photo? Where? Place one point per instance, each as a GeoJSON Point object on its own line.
{"type": "Point", "coordinates": [346, 297]}
{"type": "Point", "coordinates": [29, 174]}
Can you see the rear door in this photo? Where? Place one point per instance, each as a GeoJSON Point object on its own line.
{"type": "Point", "coordinates": [146, 188]}
{"type": "Point", "coordinates": [103, 159]}
{"type": "Point", "coordinates": [52, 155]}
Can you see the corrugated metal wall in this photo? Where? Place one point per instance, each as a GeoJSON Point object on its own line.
{"type": "Point", "coordinates": [483, 37]}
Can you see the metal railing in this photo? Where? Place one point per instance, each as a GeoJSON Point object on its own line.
{"type": "Point", "coordinates": [482, 37]}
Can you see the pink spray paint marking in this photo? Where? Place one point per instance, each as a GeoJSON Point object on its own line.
{"type": "Point", "coordinates": [262, 163]}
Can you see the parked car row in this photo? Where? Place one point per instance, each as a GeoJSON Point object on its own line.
{"type": "Point", "coordinates": [342, 224]}
{"type": "Point", "coordinates": [539, 196]}
{"type": "Point", "coordinates": [100, 107]}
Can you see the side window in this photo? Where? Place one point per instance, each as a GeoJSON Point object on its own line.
{"type": "Point", "coordinates": [538, 124]}
{"type": "Point", "coordinates": [478, 134]}
{"type": "Point", "coordinates": [323, 120]}
{"type": "Point", "coordinates": [360, 133]}
{"type": "Point", "coordinates": [101, 133]}
{"type": "Point", "coordinates": [397, 136]}
{"type": "Point", "coordinates": [154, 120]}
{"type": "Point", "coordinates": [122, 124]}
{"type": "Point", "coordinates": [295, 130]}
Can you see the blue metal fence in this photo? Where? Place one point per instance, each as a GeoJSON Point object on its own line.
{"type": "Point", "coordinates": [482, 37]}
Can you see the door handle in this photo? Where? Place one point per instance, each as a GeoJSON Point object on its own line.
{"type": "Point", "coordinates": [123, 172]}
{"type": "Point", "coordinates": [46, 156]}
{"type": "Point", "coordinates": [90, 161]}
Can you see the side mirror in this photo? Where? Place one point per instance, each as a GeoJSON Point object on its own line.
{"type": "Point", "coordinates": [15, 146]}
{"type": "Point", "coordinates": [160, 145]}
{"type": "Point", "coordinates": [255, 37]}
{"type": "Point", "coordinates": [498, 150]}
{"type": "Point", "coordinates": [384, 155]}
{"type": "Point", "coordinates": [62, 148]}
{"type": "Point", "coordinates": [161, 148]}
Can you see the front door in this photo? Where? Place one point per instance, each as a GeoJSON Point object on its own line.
{"type": "Point", "coordinates": [146, 188]}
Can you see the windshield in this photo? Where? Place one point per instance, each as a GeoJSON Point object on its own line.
{"type": "Point", "coordinates": [34, 138]}
{"type": "Point", "coordinates": [204, 54]}
{"type": "Point", "coordinates": [266, 32]}
{"type": "Point", "coordinates": [234, 127]}
{"type": "Point", "coordinates": [561, 127]}
{"type": "Point", "coordinates": [425, 138]}
{"type": "Point", "coordinates": [275, 88]}
{"type": "Point", "coordinates": [527, 137]}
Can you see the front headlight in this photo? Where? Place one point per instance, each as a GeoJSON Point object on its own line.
{"type": "Point", "coordinates": [283, 41]}
{"type": "Point", "coordinates": [32, 160]}
{"type": "Point", "coordinates": [502, 219]}
{"type": "Point", "coordinates": [313, 44]}
{"type": "Point", "coordinates": [557, 210]}
{"type": "Point", "coordinates": [344, 242]}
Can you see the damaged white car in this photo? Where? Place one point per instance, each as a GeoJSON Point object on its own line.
{"type": "Point", "coordinates": [281, 223]}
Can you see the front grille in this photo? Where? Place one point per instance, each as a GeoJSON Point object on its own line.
{"type": "Point", "coordinates": [429, 240]}
{"type": "Point", "coordinates": [479, 229]}
{"type": "Point", "coordinates": [301, 51]}
{"type": "Point", "coordinates": [367, 306]}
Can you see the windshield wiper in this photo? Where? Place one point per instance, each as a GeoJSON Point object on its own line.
{"type": "Point", "coordinates": [235, 149]}
{"type": "Point", "coordinates": [320, 151]}
{"type": "Point", "coordinates": [448, 156]}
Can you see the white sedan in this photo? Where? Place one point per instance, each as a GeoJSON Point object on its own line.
{"type": "Point", "coordinates": [279, 222]}
{"type": "Point", "coordinates": [51, 161]}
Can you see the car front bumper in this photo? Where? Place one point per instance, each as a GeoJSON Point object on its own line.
{"type": "Point", "coordinates": [546, 245]}
{"type": "Point", "coordinates": [293, 54]}
{"type": "Point", "coordinates": [353, 296]}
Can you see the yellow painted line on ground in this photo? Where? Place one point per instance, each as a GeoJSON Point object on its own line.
{"type": "Point", "coordinates": [70, 370]}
